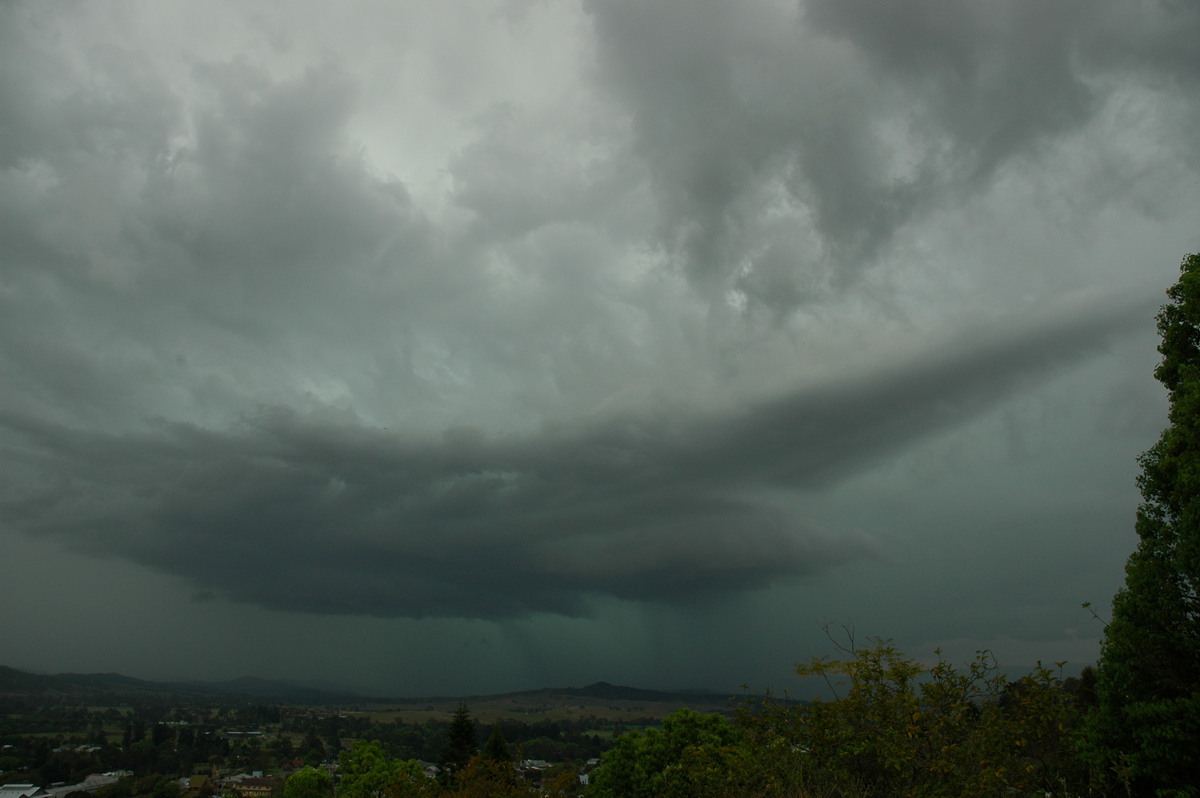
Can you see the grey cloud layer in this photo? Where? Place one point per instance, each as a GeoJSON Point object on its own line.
{"type": "Point", "coordinates": [789, 144]}
{"type": "Point", "coordinates": [331, 516]}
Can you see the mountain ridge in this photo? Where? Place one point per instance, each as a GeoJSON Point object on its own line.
{"type": "Point", "coordinates": [16, 682]}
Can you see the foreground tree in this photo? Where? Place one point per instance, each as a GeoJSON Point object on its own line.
{"type": "Point", "coordinates": [693, 754]}
{"type": "Point", "coordinates": [896, 727]}
{"type": "Point", "coordinates": [368, 772]}
{"type": "Point", "coordinates": [1146, 731]}
{"type": "Point", "coordinates": [461, 746]}
{"type": "Point", "coordinates": [308, 782]}
{"type": "Point", "coordinates": [484, 777]}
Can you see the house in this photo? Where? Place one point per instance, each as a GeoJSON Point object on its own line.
{"type": "Point", "coordinates": [92, 782]}
{"type": "Point", "coordinates": [256, 787]}
{"type": "Point", "coordinates": [23, 791]}
{"type": "Point", "coordinates": [199, 783]}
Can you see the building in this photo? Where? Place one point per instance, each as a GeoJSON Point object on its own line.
{"type": "Point", "coordinates": [23, 791]}
{"type": "Point", "coordinates": [255, 787]}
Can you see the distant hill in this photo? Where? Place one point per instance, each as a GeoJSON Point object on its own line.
{"type": "Point", "coordinates": [15, 681]}
{"type": "Point", "coordinates": [114, 686]}
{"type": "Point", "coordinates": [618, 693]}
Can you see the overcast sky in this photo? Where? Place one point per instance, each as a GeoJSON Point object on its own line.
{"type": "Point", "coordinates": [466, 347]}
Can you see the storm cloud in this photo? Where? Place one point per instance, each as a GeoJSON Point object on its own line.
{"type": "Point", "coordinates": [342, 518]}
{"type": "Point", "coordinates": [506, 312]}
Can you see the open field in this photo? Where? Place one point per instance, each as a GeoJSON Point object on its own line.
{"type": "Point", "coordinates": [546, 705]}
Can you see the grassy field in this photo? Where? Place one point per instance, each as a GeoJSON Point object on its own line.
{"type": "Point", "coordinates": [543, 706]}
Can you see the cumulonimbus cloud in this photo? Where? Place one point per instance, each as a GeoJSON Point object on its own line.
{"type": "Point", "coordinates": [189, 243]}
{"type": "Point", "coordinates": [328, 515]}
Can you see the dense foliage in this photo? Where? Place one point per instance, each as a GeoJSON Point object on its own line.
{"type": "Point", "coordinates": [461, 746]}
{"type": "Point", "coordinates": [894, 727]}
{"type": "Point", "coordinates": [309, 782]}
{"type": "Point", "coordinates": [692, 754]}
{"type": "Point", "coordinates": [366, 771]}
{"type": "Point", "coordinates": [1146, 732]}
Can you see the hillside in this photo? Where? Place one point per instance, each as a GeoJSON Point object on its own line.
{"type": "Point", "coordinates": [600, 699]}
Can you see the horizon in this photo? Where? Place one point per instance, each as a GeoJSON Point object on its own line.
{"type": "Point", "coordinates": [804, 688]}
{"type": "Point", "coordinates": [439, 347]}
{"type": "Point", "coordinates": [334, 688]}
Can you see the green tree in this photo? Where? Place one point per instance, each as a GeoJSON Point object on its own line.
{"type": "Point", "coordinates": [363, 770]}
{"type": "Point", "coordinates": [308, 782]}
{"type": "Point", "coordinates": [693, 754]}
{"type": "Point", "coordinates": [281, 748]}
{"type": "Point", "coordinates": [460, 747]}
{"type": "Point", "coordinates": [312, 747]}
{"type": "Point", "coordinates": [367, 772]}
{"type": "Point", "coordinates": [1146, 730]}
{"type": "Point", "coordinates": [484, 777]}
{"type": "Point", "coordinates": [496, 747]}
{"type": "Point", "coordinates": [894, 727]}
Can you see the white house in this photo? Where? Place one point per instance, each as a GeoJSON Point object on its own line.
{"type": "Point", "coordinates": [22, 791]}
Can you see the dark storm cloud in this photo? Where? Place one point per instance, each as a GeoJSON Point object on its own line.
{"type": "Point", "coordinates": [327, 515]}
